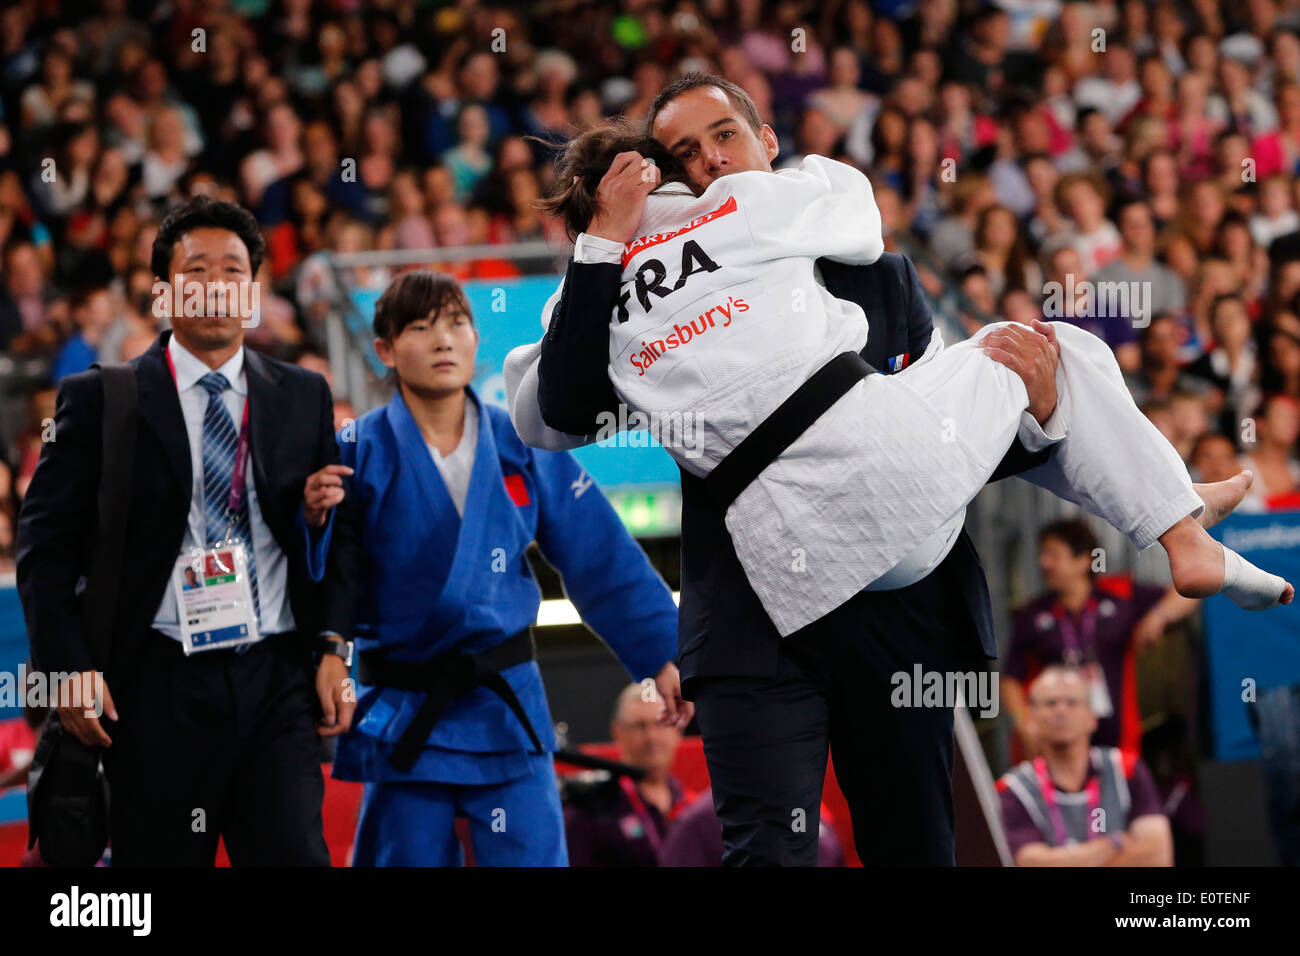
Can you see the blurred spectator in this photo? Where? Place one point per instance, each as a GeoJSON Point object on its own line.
{"type": "Point", "coordinates": [92, 313]}
{"type": "Point", "coordinates": [1160, 372]}
{"type": "Point", "coordinates": [622, 823]}
{"type": "Point", "coordinates": [1078, 623]}
{"type": "Point", "coordinates": [1077, 804]}
{"type": "Point", "coordinates": [1214, 458]}
{"type": "Point", "coordinates": [1162, 289]}
{"type": "Point", "coordinates": [1269, 440]}
{"type": "Point", "coordinates": [1231, 366]}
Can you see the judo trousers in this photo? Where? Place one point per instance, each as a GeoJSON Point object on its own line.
{"type": "Point", "coordinates": [1113, 461]}
{"type": "Point", "coordinates": [412, 823]}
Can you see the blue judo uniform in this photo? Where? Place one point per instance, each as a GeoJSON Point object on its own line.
{"type": "Point", "coordinates": [413, 578]}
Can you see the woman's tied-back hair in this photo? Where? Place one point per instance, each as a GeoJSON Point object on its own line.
{"type": "Point", "coordinates": [585, 161]}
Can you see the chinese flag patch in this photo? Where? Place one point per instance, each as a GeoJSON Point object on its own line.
{"type": "Point", "coordinates": [517, 490]}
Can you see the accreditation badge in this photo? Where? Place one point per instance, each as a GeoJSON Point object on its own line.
{"type": "Point", "coordinates": [214, 598]}
{"type": "Point", "coordinates": [1098, 693]}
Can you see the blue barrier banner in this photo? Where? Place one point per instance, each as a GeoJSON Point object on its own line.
{"type": "Point", "coordinates": [508, 313]}
{"type": "Point", "coordinates": [1251, 649]}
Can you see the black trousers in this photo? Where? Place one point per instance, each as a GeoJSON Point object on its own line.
{"type": "Point", "coordinates": [216, 744]}
{"type": "Point", "coordinates": [766, 738]}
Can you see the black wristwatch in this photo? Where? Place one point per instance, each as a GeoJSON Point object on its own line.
{"type": "Point", "coordinates": [331, 643]}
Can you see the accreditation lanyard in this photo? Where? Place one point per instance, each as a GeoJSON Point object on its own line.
{"type": "Point", "coordinates": [237, 480]}
{"type": "Point", "coordinates": [1078, 647]}
{"type": "Point", "coordinates": [643, 814]}
{"type": "Point", "coordinates": [1048, 789]}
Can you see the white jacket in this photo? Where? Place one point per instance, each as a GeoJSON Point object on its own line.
{"type": "Point", "coordinates": [869, 480]}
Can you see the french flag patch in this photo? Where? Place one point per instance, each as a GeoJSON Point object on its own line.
{"type": "Point", "coordinates": [898, 362]}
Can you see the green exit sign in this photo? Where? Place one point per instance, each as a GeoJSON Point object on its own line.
{"type": "Point", "coordinates": [648, 512]}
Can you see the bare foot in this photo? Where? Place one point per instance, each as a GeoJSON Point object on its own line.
{"type": "Point", "coordinates": [1200, 567]}
{"type": "Point", "coordinates": [1195, 559]}
{"type": "Point", "coordinates": [1222, 497]}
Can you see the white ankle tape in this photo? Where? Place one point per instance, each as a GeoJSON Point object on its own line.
{"type": "Point", "coordinates": [1248, 586]}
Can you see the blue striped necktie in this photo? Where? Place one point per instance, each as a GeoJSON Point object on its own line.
{"type": "Point", "coordinates": [219, 442]}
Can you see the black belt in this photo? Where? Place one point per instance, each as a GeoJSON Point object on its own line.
{"type": "Point", "coordinates": [779, 430]}
{"type": "Point", "coordinates": [444, 679]}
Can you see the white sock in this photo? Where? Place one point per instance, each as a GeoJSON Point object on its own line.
{"type": "Point", "coordinates": [1250, 587]}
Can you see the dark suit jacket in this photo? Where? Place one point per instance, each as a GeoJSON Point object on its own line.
{"type": "Point", "coordinates": [291, 434]}
{"type": "Point", "coordinates": [722, 628]}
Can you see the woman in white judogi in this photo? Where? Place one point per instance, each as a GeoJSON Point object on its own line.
{"type": "Point", "coordinates": [721, 318]}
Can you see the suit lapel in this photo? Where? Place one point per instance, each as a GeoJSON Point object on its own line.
{"type": "Point", "coordinates": [160, 408]}
{"type": "Point", "coordinates": [264, 381]}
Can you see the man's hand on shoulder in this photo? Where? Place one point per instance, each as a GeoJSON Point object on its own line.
{"type": "Point", "coordinates": [1032, 353]}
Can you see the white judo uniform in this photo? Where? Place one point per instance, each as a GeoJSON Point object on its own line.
{"type": "Point", "coordinates": [721, 318]}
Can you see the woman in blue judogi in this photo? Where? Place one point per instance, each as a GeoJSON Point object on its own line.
{"type": "Point", "coordinates": [428, 570]}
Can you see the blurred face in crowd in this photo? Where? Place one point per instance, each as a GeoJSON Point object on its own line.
{"type": "Point", "coordinates": [439, 188]}
{"type": "Point", "coordinates": [282, 127]}
{"type": "Point", "coordinates": [1058, 702]}
{"type": "Point", "coordinates": [1162, 174]}
{"type": "Point", "coordinates": [1275, 198]}
{"type": "Point", "coordinates": [1019, 306]}
{"type": "Point", "coordinates": [434, 355]}
{"type": "Point", "coordinates": [1191, 420]}
{"type": "Point", "coordinates": [478, 78]}
{"type": "Point", "coordinates": [1231, 324]}
{"type": "Point", "coordinates": [210, 255]}
{"type": "Point", "coordinates": [1163, 340]}
{"type": "Point", "coordinates": [1066, 263]}
{"type": "Point", "coordinates": [451, 225]}
{"type": "Point", "coordinates": [1288, 104]}
{"type": "Point", "coordinates": [711, 138]}
{"type": "Point", "coordinates": [1137, 229]}
{"type": "Point", "coordinates": [473, 126]}
{"type": "Point", "coordinates": [1042, 177]}
{"type": "Point", "coordinates": [1084, 205]}
{"type": "Point", "coordinates": [998, 230]}
{"type": "Point", "coordinates": [642, 740]}
{"type": "Point", "coordinates": [1215, 459]}
{"type": "Point", "coordinates": [1280, 423]}
{"type": "Point", "coordinates": [1061, 568]}
{"type": "Point", "coordinates": [844, 68]}
{"type": "Point", "coordinates": [1285, 352]}
{"type": "Point", "coordinates": [23, 271]}
{"type": "Point", "coordinates": [817, 134]}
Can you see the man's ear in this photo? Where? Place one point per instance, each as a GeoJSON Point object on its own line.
{"type": "Point", "coordinates": [770, 145]}
{"type": "Point", "coordinates": [384, 349]}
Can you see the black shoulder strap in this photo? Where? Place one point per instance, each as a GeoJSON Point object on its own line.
{"type": "Point", "coordinates": [99, 600]}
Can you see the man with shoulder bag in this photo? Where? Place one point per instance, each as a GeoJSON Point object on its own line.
{"type": "Point", "coordinates": [170, 555]}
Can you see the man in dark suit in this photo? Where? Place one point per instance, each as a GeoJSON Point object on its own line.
{"type": "Point", "coordinates": [222, 741]}
{"type": "Point", "coordinates": [768, 708]}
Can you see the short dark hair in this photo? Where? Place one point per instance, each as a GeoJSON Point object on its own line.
{"type": "Point", "coordinates": [204, 212]}
{"type": "Point", "coordinates": [413, 296]}
{"type": "Point", "coordinates": [695, 81]}
{"type": "Point", "coordinates": [1074, 532]}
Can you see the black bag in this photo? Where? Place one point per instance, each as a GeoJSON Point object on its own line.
{"type": "Point", "coordinates": [67, 792]}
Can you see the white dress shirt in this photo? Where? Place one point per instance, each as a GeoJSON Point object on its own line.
{"type": "Point", "coordinates": [272, 566]}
